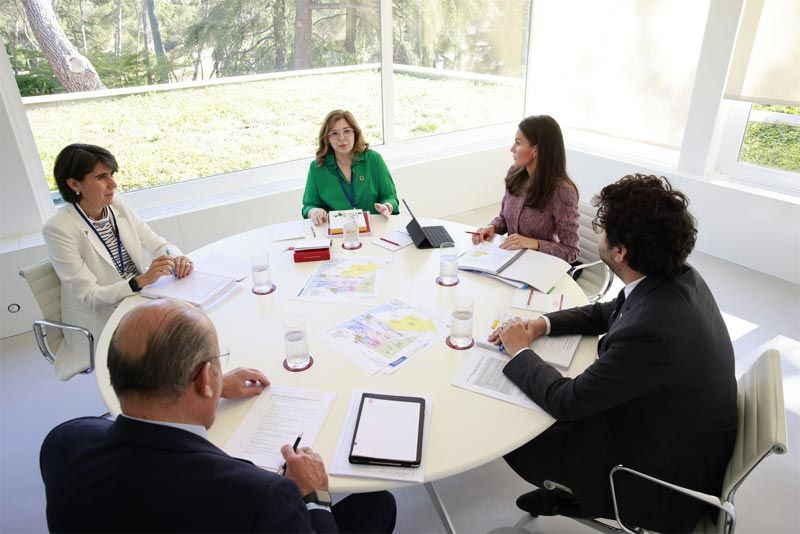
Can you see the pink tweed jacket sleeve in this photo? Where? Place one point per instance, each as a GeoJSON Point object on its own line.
{"type": "Point", "coordinates": [555, 227]}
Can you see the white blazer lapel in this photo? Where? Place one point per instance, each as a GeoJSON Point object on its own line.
{"type": "Point", "coordinates": [95, 241]}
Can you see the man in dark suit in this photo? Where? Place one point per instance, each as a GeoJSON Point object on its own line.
{"type": "Point", "coordinates": [661, 396]}
{"type": "Point", "coordinates": [154, 470]}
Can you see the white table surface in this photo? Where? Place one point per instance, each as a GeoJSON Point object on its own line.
{"type": "Point", "coordinates": [467, 429]}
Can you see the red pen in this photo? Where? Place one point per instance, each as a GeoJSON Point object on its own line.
{"type": "Point", "coordinates": [392, 242]}
{"type": "Point", "coordinates": [530, 296]}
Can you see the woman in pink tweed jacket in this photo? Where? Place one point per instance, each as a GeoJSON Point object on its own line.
{"type": "Point", "coordinates": [540, 206]}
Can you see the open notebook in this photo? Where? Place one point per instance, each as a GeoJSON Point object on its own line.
{"type": "Point", "coordinates": [536, 269]}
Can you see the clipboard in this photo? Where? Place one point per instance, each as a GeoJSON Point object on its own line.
{"type": "Point", "coordinates": [388, 431]}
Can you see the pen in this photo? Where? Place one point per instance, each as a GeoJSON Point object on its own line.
{"type": "Point", "coordinates": [168, 252]}
{"type": "Point", "coordinates": [473, 233]}
{"type": "Point", "coordinates": [530, 296]}
{"type": "Point", "coordinates": [313, 232]}
{"type": "Point", "coordinates": [392, 242]}
{"type": "Point", "coordinates": [294, 448]}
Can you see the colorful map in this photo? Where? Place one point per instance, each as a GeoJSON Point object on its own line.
{"type": "Point", "coordinates": [345, 280]}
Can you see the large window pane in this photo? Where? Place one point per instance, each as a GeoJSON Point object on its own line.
{"type": "Point", "coordinates": [622, 68]}
{"type": "Point", "coordinates": [458, 64]}
{"type": "Point", "coordinates": [179, 117]}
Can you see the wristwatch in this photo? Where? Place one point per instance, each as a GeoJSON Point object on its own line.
{"type": "Point", "coordinates": [134, 285]}
{"type": "Point", "coordinates": [321, 497]}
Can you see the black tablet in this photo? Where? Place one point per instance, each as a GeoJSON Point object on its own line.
{"type": "Point", "coordinates": [388, 431]}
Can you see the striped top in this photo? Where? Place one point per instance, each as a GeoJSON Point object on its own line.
{"type": "Point", "coordinates": [105, 228]}
{"type": "Point", "coordinates": [555, 227]}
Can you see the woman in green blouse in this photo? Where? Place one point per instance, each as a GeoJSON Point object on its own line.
{"type": "Point", "coordinates": [346, 173]}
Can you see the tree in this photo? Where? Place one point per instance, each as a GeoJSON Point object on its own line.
{"type": "Point", "coordinates": [73, 70]}
{"type": "Point", "coordinates": [158, 45]}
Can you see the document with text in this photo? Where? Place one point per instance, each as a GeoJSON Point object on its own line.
{"type": "Point", "coordinates": [277, 417]}
{"type": "Point", "coordinates": [483, 373]}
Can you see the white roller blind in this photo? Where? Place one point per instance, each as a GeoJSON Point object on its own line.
{"type": "Point", "coordinates": [766, 60]}
{"type": "Point", "coordinates": [624, 68]}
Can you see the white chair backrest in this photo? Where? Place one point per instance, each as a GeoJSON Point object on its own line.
{"type": "Point", "coordinates": [593, 279]}
{"type": "Point", "coordinates": [46, 287]}
{"type": "Point", "coordinates": [762, 419]}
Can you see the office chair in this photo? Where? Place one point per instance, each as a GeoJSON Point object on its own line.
{"type": "Point", "coordinates": [596, 278]}
{"type": "Point", "coordinates": [49, 331]}
{"type": "Point", "coordinates": [761, 431]}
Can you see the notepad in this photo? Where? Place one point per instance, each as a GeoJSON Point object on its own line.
{"type": "Point", "coordinates": [201, 289]}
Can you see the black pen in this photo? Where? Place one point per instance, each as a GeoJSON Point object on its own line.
{"type": "Point", "coordinates": [294, 448]}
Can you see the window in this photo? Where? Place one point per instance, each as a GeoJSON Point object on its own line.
{"type": "Point", "coordinates": [772, 138]}
{"type": "Point", "coordinates": [458, 64]}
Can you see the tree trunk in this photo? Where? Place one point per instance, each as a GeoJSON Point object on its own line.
{"type": "Point", "coordinates": [351, 17]}
{"type": "Point", "coordinates": [279, 29]}
{"type": "Point", "coordinates": [118, 32]}
{"type": "Point", "coordinates": [302, 34]}
{"type": "Point", "coordinates": [158, 45]}
{"type": "Point", "coordinates": [73, 70]}
{"type": "Point", "coordinates": [83, 26]}
{"type": "Point", "coordinates": [146, 44]}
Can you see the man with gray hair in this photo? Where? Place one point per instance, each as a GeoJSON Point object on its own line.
{"type": "Point", "coordinates": [153, 469]}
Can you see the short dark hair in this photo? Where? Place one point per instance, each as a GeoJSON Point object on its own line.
{"type": "Point", "coordinates": [76, 161]}
{"type": "Point", "coordinates": [651, 219]}
{"type": "Point", "coordinates": [173, 353]}
{"type": "Point", "coordinates": [551, 166]}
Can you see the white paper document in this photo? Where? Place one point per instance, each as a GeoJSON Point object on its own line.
{"type": "Point", "coordinates": [387, 336]}
{"type": "Point", "coordinates": [345, 280]}
{"type": "Point", "coordinates": [287, 230]}
{"type": "Point", "coordinates": [555, 350]}
{"type": "Point", "coordinates": [394, 240]}
{"type": "Point", "coordinates": [277, 417]}
{"type": "Point", "coordinates": [483, 373]}
{"type": "Point", "coordinates": [224, 265]}
{"type": "Point", "coordinates": [534, 268]}
{"type": "Point", "coordinates": [341, 458]}
{"type": "Point", "coordinates": [528, 298]}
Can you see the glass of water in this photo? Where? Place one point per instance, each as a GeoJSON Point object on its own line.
{"type": "Point", "coordinates": [460, 337]}
{"type": "Point", "coordinates": [350, 232]}
{"type": "Point", "coordinates": [295, 343]}
{"type": "Point", "coordinates": [262, 277]}
{"type": "Point", "coordinates": [448, 264]}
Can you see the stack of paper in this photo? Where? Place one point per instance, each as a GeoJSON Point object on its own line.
{"type": "Point", "coordinates": [201, 289]}
{"type": "Point", "coordinates": [536, 269]}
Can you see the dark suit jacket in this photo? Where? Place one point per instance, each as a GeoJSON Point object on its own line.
{"type": "Point", "coordinates": [661, 398]}
{"type": "Point", "coordinates": [132, 476]}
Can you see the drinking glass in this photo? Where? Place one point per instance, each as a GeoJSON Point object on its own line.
{"type": "Point", "coordinates": [448, 266]}
{"type": "Point", "coordinates": [350, 231]}
{"type": "Point", "coordinates": [262, 277]}
{"type": "Point", "coordinates": [295, 343]}
{"type": "Point", "coordinates": [460, 337]}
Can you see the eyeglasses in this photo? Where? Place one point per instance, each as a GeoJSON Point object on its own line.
{"type": "Point", "coordinates": [334, 135]}
{"type": "Point", "coordinates": [223, 361]}
{"type": "Point", "coordinates": [597, 227]}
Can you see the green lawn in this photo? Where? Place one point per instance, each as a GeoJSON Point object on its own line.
{"type": "Point", "coordinates": [170, 136]}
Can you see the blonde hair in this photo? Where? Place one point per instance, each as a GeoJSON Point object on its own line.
{"type": "Point", "coordinates": [325, 147]}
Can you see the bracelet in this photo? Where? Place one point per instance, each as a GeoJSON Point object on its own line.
{"type": "Point", "coordinates": [134, 284]}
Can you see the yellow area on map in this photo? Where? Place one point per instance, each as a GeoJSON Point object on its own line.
{"type": "Point", "coordinates": [479, 253]}
{"type": "Point", "coordinates": [360, 269]}
{"type": "Point", "coordinates": [411, 323]}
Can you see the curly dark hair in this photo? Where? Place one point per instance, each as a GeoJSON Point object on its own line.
{"type": "Point", "coordinates": [651, 219]}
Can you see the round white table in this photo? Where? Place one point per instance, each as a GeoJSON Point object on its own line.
{"type": "Point", "coordinates": [467, 429]}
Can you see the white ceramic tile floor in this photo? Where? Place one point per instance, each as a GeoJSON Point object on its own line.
{"type": "Point", "coordinates": [32, 401]}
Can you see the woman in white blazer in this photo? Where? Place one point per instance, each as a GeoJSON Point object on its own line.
{"type": "Point", "coordinates": [99, 248]}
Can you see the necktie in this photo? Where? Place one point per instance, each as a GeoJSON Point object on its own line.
{"type": "Point", "coordinates": [618, 308]}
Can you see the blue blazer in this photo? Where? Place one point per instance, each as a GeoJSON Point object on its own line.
{"type": "Point", "coordinates": [661, 398]}
{"type": "Point", "coordinates": [131, 476]}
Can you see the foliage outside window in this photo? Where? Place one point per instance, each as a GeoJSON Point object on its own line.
{"type": "Point", "coordinates": [163, 136]}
